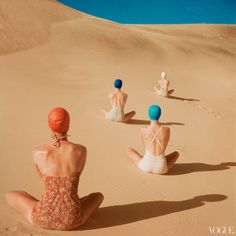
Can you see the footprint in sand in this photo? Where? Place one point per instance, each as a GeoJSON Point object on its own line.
{"type": "Point", "coordinates": [192, 102]}
{"type": "Point", "coordinates": [216, 114]}
{"type": "Point", "coordinates": [210, 111]}
{"type": "Point", "coordinates": [10, 229]}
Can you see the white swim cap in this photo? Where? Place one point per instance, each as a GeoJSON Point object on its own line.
{"type": "Point", "coordinates": [163, 75]}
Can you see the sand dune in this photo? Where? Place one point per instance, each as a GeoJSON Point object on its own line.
{"type": "Point", "coordinates": [26, 24]}
{"type": "Point", "coordinates": [52, 55]}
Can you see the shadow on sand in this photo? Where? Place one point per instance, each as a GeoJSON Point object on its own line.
{"type": "Point", "coordinates": [138, 122]}
{"type": "Point", "coordinates": [147, 122]}
{"type": "Point", "coordinates": [125, 214]}
{"type": "Point", "coordinates": [184, 99]}
{"type": "Point", "coordinates": [186, 168]}
{"type": "Point", "coordinates": [171, 123]}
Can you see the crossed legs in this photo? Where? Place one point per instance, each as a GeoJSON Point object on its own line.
{"type": "Point", "coordinates": [90, 204]}
{"type": "Point", "coordinates": [136, 157]}
{"type": "Point", "coordinates": [103, 111]}
{"type": "Point", "coordinates": [171, 159]}
{"type": "Point", "coordinates": [158, 92]}
{"type": "Point", "coordinates": [22, 202]}
{"type": "Point", "coordinates": [128, 116]}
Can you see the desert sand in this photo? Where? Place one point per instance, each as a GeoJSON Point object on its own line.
{"type": "Point", "coordinates": [51, 55]}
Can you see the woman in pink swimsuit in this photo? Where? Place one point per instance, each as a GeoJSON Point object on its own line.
{"type": "Point", "coordinates": [60, 165]}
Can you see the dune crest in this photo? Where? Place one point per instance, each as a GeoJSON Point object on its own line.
{"type": "Point", "coordinates": [26, 24]}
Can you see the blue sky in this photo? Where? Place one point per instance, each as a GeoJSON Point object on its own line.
{"type": "Point", "coordinates": [159, 11]}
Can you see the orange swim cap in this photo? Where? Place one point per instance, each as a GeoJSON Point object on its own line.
{"type": "Point", "coordinates": [59, 120]}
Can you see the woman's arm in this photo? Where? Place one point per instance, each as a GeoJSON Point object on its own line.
{"type": "Point", "coordinates": [110, 95]}
{"type": "Point", "coordinates": [156, 89]}
{"type": "Point", "coordinates": [38, 171]}
{"type": "Point", "coordinates": [37, 154]}
{"type": "Point", "coordinates": [141, 133]}
{"type": "Point", "coordinates": [83, 158]}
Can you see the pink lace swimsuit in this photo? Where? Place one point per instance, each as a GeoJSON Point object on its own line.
{"type": "Point", "coordinates": [59, 207]}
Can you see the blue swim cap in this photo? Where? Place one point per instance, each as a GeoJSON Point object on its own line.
{"type": "Point", "coordinates": [118, 83]}
{"type": "Point", "coordinates": [154, 112]}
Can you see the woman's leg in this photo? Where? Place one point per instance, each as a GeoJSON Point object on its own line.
{"type": "Point", "coordinates": [103, 111]}
{"type": "Point", "coordinates": [156, 89]}
{"type": "Point", "coordinates": [22, 202]}
{"type": "Point", "coordinates": [134, 155]}
{"type": "Point", "coordinates": [90, 204]}
{"type": "Point", "coordinates": [170, 92]}
{"type": "Point", "coordinates": [129, 116]}
{"type": "Point", "coordinates": [171, 159]}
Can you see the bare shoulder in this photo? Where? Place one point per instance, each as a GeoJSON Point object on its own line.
{"type": "Point", "coordinates": [79, 154]}
{"type": "Point", "coordinates": [166, 130]}
{"type": "Point", "coordinates": [78, 148]}
{"type": "Point", "coordinates": [125, 94]}
{"type": "Point", "coordinates": [40, 151]}
{"type": "Point", "coordinates": [41, 148]}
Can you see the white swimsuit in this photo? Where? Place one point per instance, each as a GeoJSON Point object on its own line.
{"type": "Point", "coordinates": [163, 91]}
{"type": "Point", "coordinates": [151, 163]}
{"type": "Point", "coordinates": [115, 114]}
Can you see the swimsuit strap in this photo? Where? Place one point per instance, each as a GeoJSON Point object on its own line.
{"type": "Point", "coordinates": [57, 142]}
{"type": "Point", "coordinates": [154, 137]}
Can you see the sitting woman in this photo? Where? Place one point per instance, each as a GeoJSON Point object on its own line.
{"type": "Point", "coordinates": [155, 139]}
{"type": "Point", "coordinates": [118, 100]}
{"type": "Point", "coordinates": [60, 165]}
{"type": "Point", "coordinates": [162, 89]}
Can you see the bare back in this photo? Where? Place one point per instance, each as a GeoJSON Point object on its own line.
{"type": "Point", "coordinates": [67, 160]}
{"type": "Point", "coordinates": [155, 146]}
{"type": "Point", "coordinates": [118, 99]}
{"type": "Point", "coordinates": [164, 84]}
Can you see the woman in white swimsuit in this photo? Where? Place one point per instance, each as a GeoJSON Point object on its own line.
{"type": "Point", "coordinates": [162, 89]}
{"type": "Point", "coordinates": [155, 139]}
{"type": "Point", "coordinates": [118, 100]}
